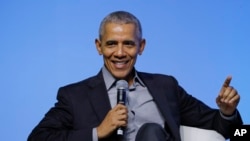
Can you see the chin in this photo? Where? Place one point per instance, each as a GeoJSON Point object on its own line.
{"type": "Point", "coordinates": [120, 75]}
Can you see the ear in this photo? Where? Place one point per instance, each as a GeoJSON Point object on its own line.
{"type": "Point", "coordinates": [142, 46]}
{"type": "Point", "coordinates": [98, 45]}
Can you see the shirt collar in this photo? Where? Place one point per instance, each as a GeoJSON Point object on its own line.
{"type": "Point", "coordinates": [110, 80]}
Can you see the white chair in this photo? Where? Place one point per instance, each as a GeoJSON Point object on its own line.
{"type": "Point", "coordinates": [198, 134]}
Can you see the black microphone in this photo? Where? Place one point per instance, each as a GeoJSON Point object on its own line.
{"type": "Point", "coordinates": [122, 87]}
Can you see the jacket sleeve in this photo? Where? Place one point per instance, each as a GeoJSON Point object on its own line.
{"type": "Point", "coordinates": [57, 125]}
{"type": "Point", "coordinates": [195, 113]}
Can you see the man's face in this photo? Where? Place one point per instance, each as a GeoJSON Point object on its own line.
{"type": "Point", "coordinates": [120, 46]}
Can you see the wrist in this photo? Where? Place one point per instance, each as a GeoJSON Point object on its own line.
{"type": "Point", "coordinates": [229, 114]}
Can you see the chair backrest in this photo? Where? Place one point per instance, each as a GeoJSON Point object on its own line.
{"type": "Point", "coordinates": [198, 134]}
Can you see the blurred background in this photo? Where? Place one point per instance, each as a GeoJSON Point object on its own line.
{"type": "Point", "coordinates": [48, 44]}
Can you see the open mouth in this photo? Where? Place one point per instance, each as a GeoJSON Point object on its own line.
{"type": "Point", "coordinates": [120, 64]}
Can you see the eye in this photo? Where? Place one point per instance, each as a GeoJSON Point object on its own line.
{"type": "Point", "coordinates": [111, 43]}
{"type": "Point", "coordinates": [129, 43]}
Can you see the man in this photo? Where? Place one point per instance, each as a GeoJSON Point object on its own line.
{"type": "Point", "coordinates": [156, 104]}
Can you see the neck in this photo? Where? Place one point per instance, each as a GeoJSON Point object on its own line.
{"type": "Point", "coordinates": [130, 77]}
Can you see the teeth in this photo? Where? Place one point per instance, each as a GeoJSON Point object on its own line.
{"type": "Point", "coordinates": [120, 63]}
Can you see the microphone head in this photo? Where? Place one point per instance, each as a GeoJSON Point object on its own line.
{"type": "Point", "coordinates": [122, 84]}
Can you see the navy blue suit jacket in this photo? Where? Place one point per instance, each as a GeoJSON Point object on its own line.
{"type": "Point", "coordinates": [82, 106]}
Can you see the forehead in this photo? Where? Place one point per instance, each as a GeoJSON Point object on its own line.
{"type": "Point", "coordinates": [120, 32]}
{"type": "Point", "coordinates": [116, 28]}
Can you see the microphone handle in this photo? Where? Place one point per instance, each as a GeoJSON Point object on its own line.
{"type": "Point", "coordinates": [121, 96]}
{"type": "Point", "coordinates": [121, 99]}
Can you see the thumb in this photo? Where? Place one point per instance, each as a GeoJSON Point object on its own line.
{"type": "Point", "coordinates": [226, 84]}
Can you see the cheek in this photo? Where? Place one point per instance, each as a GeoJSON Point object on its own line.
{"type": "Point", "coordinates": [106, 57]}
{"type": "Point", "coordinates": [107, 53]}
{"type": "Point", "coordinates": [133, 53]}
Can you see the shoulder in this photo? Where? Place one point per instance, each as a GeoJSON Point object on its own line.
{"type": "Point", "coordinates": [83, 84]}
{"type": "Point", "coordinates": [158, 77]}
{"type": "Point", "coordinates": [78, 90]}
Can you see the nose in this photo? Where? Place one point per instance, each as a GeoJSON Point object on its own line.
{"type": "Point", "coordinates": [120, 52]}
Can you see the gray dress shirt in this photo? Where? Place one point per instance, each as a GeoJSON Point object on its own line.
{"type": "Point", "coordinates": [140, 104]}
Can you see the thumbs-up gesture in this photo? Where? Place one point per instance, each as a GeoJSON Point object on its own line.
{"type": "Point", "coordinates": [228, 98]}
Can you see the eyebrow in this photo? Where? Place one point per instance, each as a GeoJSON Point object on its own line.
{"type": "Point", "coordinates": [124, 42]}
{"type": "Point", "coordinates": [110, 42]}
{"type": "Point", "coordinates": [130, 42]}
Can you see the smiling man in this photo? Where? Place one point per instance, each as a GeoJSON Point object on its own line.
{"type": "Point", "coordinates": [156, 105]}
{"type": "Point", "coordinates": [120, 44]}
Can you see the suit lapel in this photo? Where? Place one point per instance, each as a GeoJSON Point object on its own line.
{"type": "Point", "coordinates": [98, 96]}
{"type": "Point", "coordinates": [159, 96]}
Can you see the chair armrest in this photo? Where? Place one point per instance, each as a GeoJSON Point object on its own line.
{"type": "Point", "coordinates": [197, 134]}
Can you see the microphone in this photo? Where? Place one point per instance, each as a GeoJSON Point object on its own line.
{"type": "Point", "coordinates": [122, 87]}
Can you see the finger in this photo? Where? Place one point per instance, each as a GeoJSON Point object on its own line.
{"type": "Point", "coordinates": [122, 117]}
{"type": "Point", "coordinates": [235, 99]}
{"type": "Point", "coordinates": [119, 107]}
{"type": "Point", "coordinates": [226, 84]}
{"type": "Point", "coordinates": [122, 112]}
{"type": "Point", "coordinates": [122, 123]}
{"type": "Point", "coordinates": [227, 81]}
{"type": "Point", "coordinates": [226, 93]}
{"type": "Point", "coordinates": [218, 100]}
{"type": "Point", "coordinates": [230, 95]}
{"type": "Point", "coordinates": [122, 120]}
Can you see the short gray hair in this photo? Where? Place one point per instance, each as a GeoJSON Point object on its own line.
{"type": "Point", "coordinates": [121, 17]}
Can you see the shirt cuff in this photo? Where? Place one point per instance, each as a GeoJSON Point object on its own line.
{"type": "Point", "coordinates": [94, 134]}
{"type": "Point", "coordinates": [232, 117]}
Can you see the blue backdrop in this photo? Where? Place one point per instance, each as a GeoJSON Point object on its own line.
{"type": "Point", "coordinates": [48, 44]}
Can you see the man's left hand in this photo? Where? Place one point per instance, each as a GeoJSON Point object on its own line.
{"type": "Point", "coordinates": [228, 98]}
